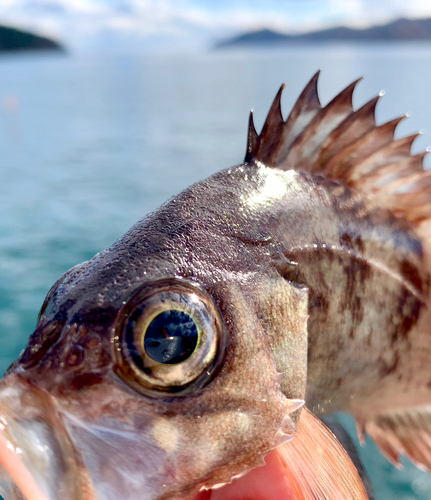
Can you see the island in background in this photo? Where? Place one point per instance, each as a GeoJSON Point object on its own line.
{"type": "Point", "coordinates": [400, 30]}
{"type": "Point", "coordinates": [12, 39]}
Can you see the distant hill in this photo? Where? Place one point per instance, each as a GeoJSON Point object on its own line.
{"type": "Point", "coordinates": [14, 39]}
{"type": "Point", "coordinates": [402, 29]}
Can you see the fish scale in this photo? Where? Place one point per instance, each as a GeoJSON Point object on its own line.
{"type": "Point", "coordinates": [304, 272]}
{"type": "Point", "coordinates": [389, 266]}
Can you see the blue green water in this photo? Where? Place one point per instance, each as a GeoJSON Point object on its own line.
{"type": "Point", "coordinates": [91, 143]}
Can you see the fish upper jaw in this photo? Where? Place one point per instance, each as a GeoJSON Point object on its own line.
{"type": "Point", "coordinates": [48, 453]}
{"type": "Point", "coordinates": [159, 459]}
{"type": "Point", "coordinates": [52, 452]}
{"type": "Point", "coordinates": [37, 459]}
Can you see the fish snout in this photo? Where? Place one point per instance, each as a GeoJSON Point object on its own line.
{"type": "Point", "coordinates": [37, 459]}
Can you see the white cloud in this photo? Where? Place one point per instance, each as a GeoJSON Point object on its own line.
{"type": "Point", "coordinates": [366, 12]}
{"type": "Point", "coordinates": [87, 22]}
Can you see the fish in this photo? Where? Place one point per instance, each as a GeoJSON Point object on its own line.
{"type": "Point", "coordinates": [209, 339]}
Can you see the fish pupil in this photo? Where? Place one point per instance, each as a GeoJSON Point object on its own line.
{"type": "Point", "coordinates": [171, 337]}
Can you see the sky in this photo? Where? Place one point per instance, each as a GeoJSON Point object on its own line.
{"type": "Point", "coordinates": [192, 23]}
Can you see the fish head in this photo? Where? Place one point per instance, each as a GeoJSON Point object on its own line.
{"type": "Point", "coordinates": [171, 362]}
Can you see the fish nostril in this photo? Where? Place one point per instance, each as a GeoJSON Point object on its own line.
{"type": "Point", "coordinates": [45, 335]}
{"type": "Point", "coordinates": [93, 343]}
{"type": "Point", "coordinates": [76, 356]}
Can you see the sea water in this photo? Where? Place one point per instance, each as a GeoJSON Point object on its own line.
{"type": "Point", "coordinates": [89, 143]}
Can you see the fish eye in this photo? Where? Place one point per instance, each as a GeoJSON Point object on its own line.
{"type": "Point", "coordinates": [170, 339]}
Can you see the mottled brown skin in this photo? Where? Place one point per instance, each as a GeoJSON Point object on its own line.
{"type": "Point", "coordinates": [369, 298]}
{"type": "Point", "coordinates": [209, 234]}
{"type": "Point", "coordinates": [259, 241]}
{"type": "Point", "coordinates": [368, 304]}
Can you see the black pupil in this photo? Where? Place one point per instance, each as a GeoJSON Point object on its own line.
{"type": "Point", "coordinates": [171, 337]}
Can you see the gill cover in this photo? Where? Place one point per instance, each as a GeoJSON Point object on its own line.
{"type": "Point", "coordinates": [153, 403]}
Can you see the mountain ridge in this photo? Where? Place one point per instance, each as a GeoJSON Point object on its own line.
{"type": "Point", "coordinates": [14, 39]}
{"type": "Point", "coordinates": [399, 30]}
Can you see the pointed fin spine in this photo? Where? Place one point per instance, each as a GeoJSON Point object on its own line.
{"type": "Point", "coordinates": [346, 145]}
{"type": "Point", "coordinates": [271, 131]}
{"type": "Point", "coordinates": [252, 137]}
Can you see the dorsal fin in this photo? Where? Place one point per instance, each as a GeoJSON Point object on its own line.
{"type": "Point", "coordinates": [268, 140]}
{"type": "Point", "coordinates": [346, 145]}
{"type": "Point", "coordinates": [251, 138]}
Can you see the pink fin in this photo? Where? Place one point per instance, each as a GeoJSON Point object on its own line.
{"type": "Point", "coordinates": [403, 432]}
{"type": "Point", "coordinates": [317, 465]}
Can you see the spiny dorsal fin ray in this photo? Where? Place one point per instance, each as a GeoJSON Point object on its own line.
{"type": "Point", "coordinates": [271, 131]}
{"type": "Point", "coordinates": [350, 130]}
{"type": "Point", "coordinates": [346, 145]}
{"type": "Point", "coordinates": [343, 163]}
{"type": "Point", "coordinates": [305, 145]}
{"type": "Point", "coordinates": [251, 138]}
{"type": "Point", "coordinates": [305, 109]}
{"type": "Point", "coordinates": [393, 158]}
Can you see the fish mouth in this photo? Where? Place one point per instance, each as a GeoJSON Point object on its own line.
{"type": "Point", "coordinates": [37, 460]}
{"type": "Point", "coordinates": [46, 454]}
{"type": "Point", "coordinates": [269, 482]}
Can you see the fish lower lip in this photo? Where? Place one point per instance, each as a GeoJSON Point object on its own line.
{"type": "Point", "coordinates": [39, 461]}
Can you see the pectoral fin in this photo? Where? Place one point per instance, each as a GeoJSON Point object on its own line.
{"type": "Point", "coordinates": [317, 466]}
{"type": "Point", "coordinates": [313, 466]}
